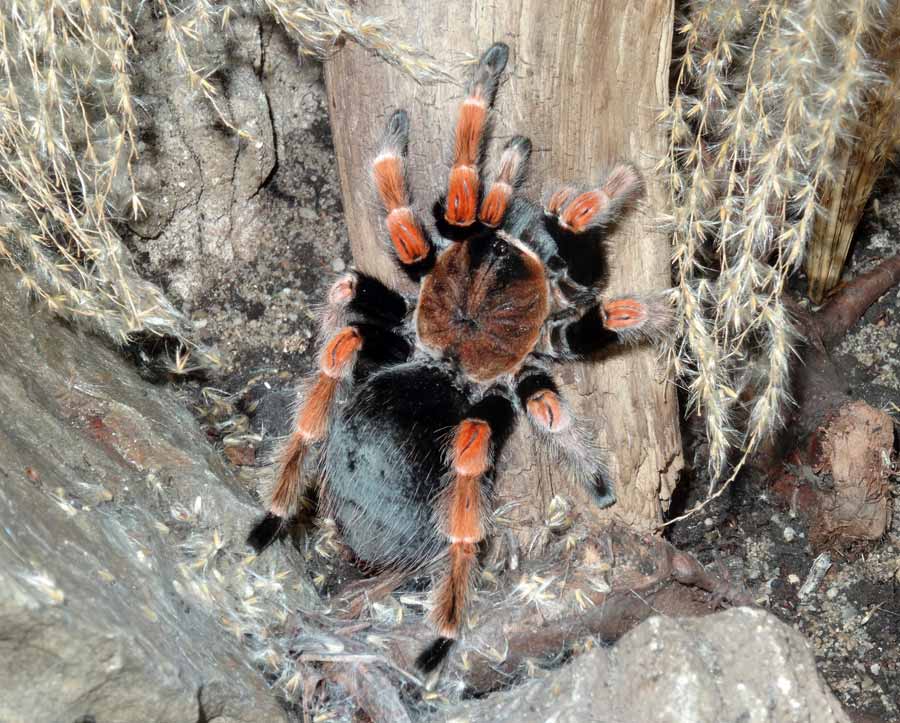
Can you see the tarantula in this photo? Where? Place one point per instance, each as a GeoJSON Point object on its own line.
{"type": "Point", "coordinates": [415, 397]}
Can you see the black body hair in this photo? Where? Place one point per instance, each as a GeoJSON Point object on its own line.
{"type": "Point", "coordinates": [266, 531]}
{"type": "Point", "coordinates": [434, 654]}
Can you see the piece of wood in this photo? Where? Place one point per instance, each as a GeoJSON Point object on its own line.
{"type": "Point", "coordinates": [585, 82]}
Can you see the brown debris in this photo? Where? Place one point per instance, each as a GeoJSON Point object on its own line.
{"type": "Point", "coordinates": [241, 456]}
{"type": "Point", "coordinates": [856, 449]}
{"type": "Point", "coordinates": [839, 477]}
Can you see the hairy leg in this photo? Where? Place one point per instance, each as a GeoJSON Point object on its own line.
{"type": "Point", "coordinates": [360, 345]}
{"type": "Point", "coordinates": [460, 207]}
{"type": "Point", "coordinates": [563, 433]}
{"type": "Point", "coordinates": [412, 247]}
{"type": "Point", "coordinates": [577, 219]}
{"type": "Point", "coordinates": [462, 514]}
{"type": "Point", "coordinates": [509, 176]}
{"type": "Point", "coordinates": [356, 296]}
{"type": "Point", "coordinates": [626, 319]}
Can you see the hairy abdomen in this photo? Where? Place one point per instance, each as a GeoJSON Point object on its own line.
{"type": "Point", "coordinates": [384, 464]}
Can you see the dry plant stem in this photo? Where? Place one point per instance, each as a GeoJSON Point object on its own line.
{"type": "Point", "coordinates": [320, 26]}
{"type": "Point", "coordinates": [370, 689]}
{"type": "Point", "coordinates": [357, 595]}
{"type": "Point", "coordinates": [862, 160]}
{"type": "Point", "coordinates": [68, 131]}
{"type": "Point", "coordinates": [614, 613]}
{"type": "Point", "coordinates": [646, 574]}
{"type": "Point", "coordinates": [765, 95]}
{"type": "Point", "coordinates": [843, 201]}
{"type": "Point", "coordinates": [820, 383]}
{"type": "Point", "coordinates": [519, 637]}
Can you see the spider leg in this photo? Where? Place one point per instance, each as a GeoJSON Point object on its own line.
{"type": "Point", "coordinates": [359, 296]}
{"type": "Point", "coordinates": [412, 246]}
{"type": "Point", "coordinates": [368, 344]}
{"type": "Point", "coordinates": [596, 207]}
{"type": "Point", "coordinates": [563, 433]}
{"type": "Point", "coordinates": [625, 319]}
{"type": "Point", "coordinates": [577, 221]}
{"type": "Point", "coordinates": [510, 174]}
{"type": "Point", "coordinates": [463, 188]}
{"type": "Point", "coordinates": [462, 514]}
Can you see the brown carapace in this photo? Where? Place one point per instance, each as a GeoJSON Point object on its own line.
{"type": "Point", "coordinates": [415, 396]}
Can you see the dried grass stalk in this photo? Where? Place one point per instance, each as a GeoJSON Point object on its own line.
{"type": "Point", "coordinates": [767, 95]}
{"type": "Point", "coordinates": [862, 161]}
{"type": "Point", "coordinates": [68, 143]}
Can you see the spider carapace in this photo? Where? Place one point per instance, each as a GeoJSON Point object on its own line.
{"type": "Point", "coordinates": [415, 396]}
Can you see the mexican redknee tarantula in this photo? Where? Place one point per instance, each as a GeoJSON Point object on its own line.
{"type": "Point", "coordinates": [415, 397]}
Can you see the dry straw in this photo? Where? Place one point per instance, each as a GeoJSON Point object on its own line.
{"type": "Point", "coordinates": [767, 95]}
{"type": "Point", "coordinates": [68, 130]}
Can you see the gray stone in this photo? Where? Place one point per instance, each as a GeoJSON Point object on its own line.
{"type": "Point", "coordinates": [233, 220]}
{"type": "Point", "coordinates": [121, 544]}
{"type": "Point", "coordinates": [742, 665]}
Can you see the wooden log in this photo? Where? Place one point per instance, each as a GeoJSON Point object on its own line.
{"type": "Point", "coordinates": [586, 80]}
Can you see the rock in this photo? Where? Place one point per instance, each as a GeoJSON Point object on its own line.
{"type": "Point", "coordinates": [232, 221]}
{"type": "Point", "coordinates": [739, 665]}
{"type": "Point", "coordinates": [124, 578]}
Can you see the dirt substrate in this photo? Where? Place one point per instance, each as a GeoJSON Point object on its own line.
{"type": "Point", "coordinates": [852, 617]}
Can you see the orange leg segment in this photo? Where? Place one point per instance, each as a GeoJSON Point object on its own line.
{"type": "Point", "coordinates": [547, 410]}
{"type": "Point", "coordinates": [623, 313]}
{"type": "Point", "coordinates": [463, 521]}
{"type": "Point", "coordinates": [578, 214]}
{"type": "Point", "coordinates": [335, 363]}
{"type": "Point", "coordinates": [597, 206]}
{"type": "Point", "coordinates": [471, 131]}
{"type": "Point", "coordinates": [389, 173]}
{"type": "Point", "coordinates": [404, 228]}
{"type": "Point", "coordinates": [510, 174]}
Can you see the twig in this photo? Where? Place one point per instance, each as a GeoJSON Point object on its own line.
{"type": "Point", "coordinates": [846, 307]}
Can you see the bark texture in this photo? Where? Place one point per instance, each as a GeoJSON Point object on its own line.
{"type": "Point", "coordinates": [585, 82]}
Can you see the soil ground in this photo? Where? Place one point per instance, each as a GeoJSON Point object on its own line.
{"type": "Point", "coordinates": [853, 617]}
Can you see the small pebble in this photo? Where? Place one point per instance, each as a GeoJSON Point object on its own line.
{"type": "Point", "coordinates": [832, 593]}
{"type": "Point", "coordinates": [875, 668]}
{"type": "Point", "coordinates": [708, 522]}
{"type": "Point", "coordinates": [793, 579]}
{"type": "Point", "coordinates": [338, 265]}
{"type": "Point", "coordinates": [789, 534]}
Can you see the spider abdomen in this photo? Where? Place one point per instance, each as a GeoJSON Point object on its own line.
{"type": "Point", "coordinates": [385, 464]}
{"type": "Point", "coordinates": [483, 305]}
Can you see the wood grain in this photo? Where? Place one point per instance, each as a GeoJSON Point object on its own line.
{"type": "Point", "coordinates": [585, 82]}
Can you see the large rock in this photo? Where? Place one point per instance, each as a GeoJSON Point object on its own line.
{"type": "Point", "coordinates": [124, 583]}
{"type": "Point", "coordinates": [244, 234]}
{"type": "Point", "coordinates": [739, 666]}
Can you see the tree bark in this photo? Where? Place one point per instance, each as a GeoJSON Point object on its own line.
{"type": "Point", "coordinates": [585, 82]}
